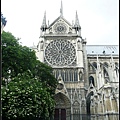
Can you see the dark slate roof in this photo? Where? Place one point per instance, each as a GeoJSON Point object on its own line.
{"type": "Point", "coordinates": [102, 49]}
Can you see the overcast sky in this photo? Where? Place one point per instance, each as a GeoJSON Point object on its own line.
{"type": "Point", "coordinates": [99, 19]}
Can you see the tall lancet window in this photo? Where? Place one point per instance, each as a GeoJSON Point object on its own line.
{"type": "Point", "coordinates": [94, 64]}
{"type": "Point", "coordinates": [91, 80]}
{"type": "Point", "coordinates": [105, 72]}
{"type": "Point", "coordinates": [80, 75]}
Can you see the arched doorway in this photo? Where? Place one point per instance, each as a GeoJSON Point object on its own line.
{"type": "Point", "coordinates": [62, 109]}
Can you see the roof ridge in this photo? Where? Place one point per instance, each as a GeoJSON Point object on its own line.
{"type": "Point", "coordinates": [102, 45]}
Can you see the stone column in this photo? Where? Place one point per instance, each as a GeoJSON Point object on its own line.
{"type": "Point", "coordinates": [40, 53]}
{"type": "Point", "coordinates": [71, 93]}
{"type": "Point", "coordinates": [85, 62]}
{"type": "Point", "coordinates": [79, 53]}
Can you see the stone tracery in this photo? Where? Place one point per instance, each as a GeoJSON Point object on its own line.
{"type": "Point", "coordinates": [60, 52]}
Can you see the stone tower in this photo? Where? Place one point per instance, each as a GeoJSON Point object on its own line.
{"type": "Point", "coordinates": [86, 77]}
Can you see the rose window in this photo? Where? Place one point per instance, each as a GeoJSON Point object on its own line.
{"type": "Point", "coordinates": [60, 28]}
{"type": "Point", "coordinates": [60, 52]}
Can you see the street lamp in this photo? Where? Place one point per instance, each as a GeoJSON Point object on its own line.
{"type": "Point", "coordinates": [3, 22]}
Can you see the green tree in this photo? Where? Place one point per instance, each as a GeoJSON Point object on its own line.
{"type": "Point", "coordinates": [29, 92]}
{"type": "Point", "coordinates": [16, 59]}
{"type": "Point", "coordinates": [43, 72]}
{"type": "Point", "coordinates": [25, 98]}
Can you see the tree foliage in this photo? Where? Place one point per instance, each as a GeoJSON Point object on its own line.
{"type": "Point", "coordinates": [26, 99]}
{"type": "Point", "coordinates": [16, 59]}
{"type": "Point", "coordinates": [29, 91]}
{"type": "Point", "coordinates": [44, 73]}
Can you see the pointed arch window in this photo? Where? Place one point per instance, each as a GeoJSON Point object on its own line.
{"type": "Point", "coordinates": [71, 75]}
{"type": "Point", "coordinates": [105, 65]}
{"type": "Point", "coordinates": [80, 75]}
{"type": "Point", "coordinates": [75, 75]}
{"type": "Point", "coordinates": [94, 64]}
{"type": "Point", "coordinates": [105, 73]}
{"type": "Point", "coordinates": [91, 80]}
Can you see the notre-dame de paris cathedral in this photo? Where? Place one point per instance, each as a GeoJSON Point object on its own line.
{"type": "Point", "coordinates": [88, 75]}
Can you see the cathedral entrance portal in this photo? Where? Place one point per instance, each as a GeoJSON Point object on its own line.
{"type": "Point", "coordinates": [62, 110]}
{"type": "Point", "coordinates": [60, 114]}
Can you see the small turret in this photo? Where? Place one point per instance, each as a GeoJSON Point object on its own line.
{"type": "Point", "coordinates": [77, 25]}
{"type": "Point", "coordinates": [44, 25]}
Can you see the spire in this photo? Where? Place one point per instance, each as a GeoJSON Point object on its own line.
{"type": "Point", "coordinates": [61, 9]}
{"type": "Point", "coordinates": [44, 25]}
{"type": "Point", "coordinates": [77, 25]}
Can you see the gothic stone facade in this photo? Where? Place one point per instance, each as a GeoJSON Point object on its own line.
{"type": "Point", "coordinates": [87, 74]}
